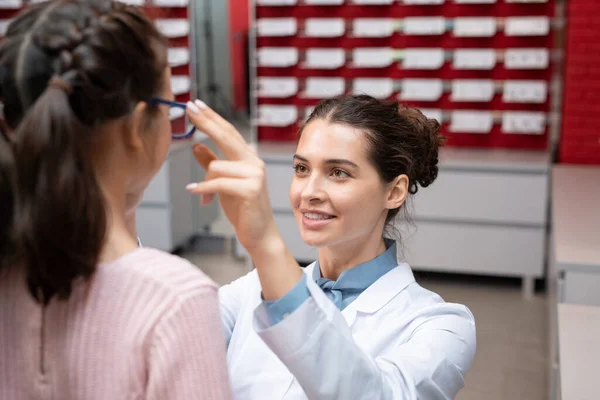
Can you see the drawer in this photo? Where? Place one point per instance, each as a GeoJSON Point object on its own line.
{"type": "Point", "coordinates": [582, 288]}
{"type": "Point", "coordinates": [470, 248]}
{"type": "Point", "coordinates": [490, 196]}
{"type": "Point", "coordinates": [158, 189]}
{"type": "Point", "coordinates": [154, 227]}
{"type": "Point", "coordinates": [286, 223]}
{"type": "Point", "coordinates": [279, 179]}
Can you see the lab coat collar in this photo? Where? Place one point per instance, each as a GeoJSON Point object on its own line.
{"type": "Point", "coordinates": [384, 289]}
{"type": "Point", "coordinates": [362, 276]}
{"type": "Point", "coordinates": [379, 293]}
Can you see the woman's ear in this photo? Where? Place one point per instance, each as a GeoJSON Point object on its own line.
{"type": "Point", "coordinates": [135, 128]}
{"type": "Point", "coordinates": [398, 191]}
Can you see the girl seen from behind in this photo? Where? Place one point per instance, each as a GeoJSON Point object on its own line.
{"type": "Point", "coordinates": [85, 313]}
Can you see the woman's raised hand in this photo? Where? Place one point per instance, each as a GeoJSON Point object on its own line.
{"type": "Point", "coordinates": [239, 179]}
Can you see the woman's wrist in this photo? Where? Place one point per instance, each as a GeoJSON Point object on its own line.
{"type": "Point", "coordinates": [269, 246]}
{"type": "Point", "coordinates": [277, 269]}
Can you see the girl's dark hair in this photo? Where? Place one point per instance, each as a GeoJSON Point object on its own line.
{"type": "Point", "coordinates": [401, 139]}
{"type": "Point", "coordinates": [7, 179]}
{"type": "Point", "coordinates": [66, 67]}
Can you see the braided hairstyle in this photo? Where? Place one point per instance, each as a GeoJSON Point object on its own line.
{"type": "Point", "coordinates": [66, 67]}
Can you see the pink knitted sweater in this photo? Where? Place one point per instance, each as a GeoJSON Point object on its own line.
{"type": "Point", "coordinates": [146, 326]}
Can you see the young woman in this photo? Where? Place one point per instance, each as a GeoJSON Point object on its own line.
{"type": "Point", "coordinates": [355, 324]}
{"type": "Point", "coordinates": [85, 313]}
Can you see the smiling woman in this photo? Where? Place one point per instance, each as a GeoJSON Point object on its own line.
{"type": "Point", "coordinates": [354, 324]}
{"type": "Point", "coordinates": [355, 160]}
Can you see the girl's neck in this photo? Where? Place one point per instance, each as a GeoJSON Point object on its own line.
{"type": "Point", "coordinates": [119, 238]}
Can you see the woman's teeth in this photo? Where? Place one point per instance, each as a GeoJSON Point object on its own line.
{"type": "Point", "coordinates": [317, 216]}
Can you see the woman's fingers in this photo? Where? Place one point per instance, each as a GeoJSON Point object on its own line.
{"type": "Point", "coordinates": [203, 155]}
{"type": "Point", "coordinates": [234, 169]}
{"type": "Point", "coordinates": [216, 168]}
{"type": "Point", "coordinates": [230, 186]}
{"type": "Point", "coordinates": [227, 138]}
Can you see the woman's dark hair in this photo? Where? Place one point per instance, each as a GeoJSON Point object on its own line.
{"type": "Point", "coordinates": [401, 139]}
{"type": "Point", "coordinates": [66, 67]}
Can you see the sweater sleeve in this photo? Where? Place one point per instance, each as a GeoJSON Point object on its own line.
{"type": "Point", "coordinates": [187, 352]}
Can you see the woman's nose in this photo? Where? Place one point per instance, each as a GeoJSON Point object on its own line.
{"type": "Point", "coordinates": [314, 189]}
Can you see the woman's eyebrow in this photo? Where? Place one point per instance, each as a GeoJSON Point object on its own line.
{"type": "Point", "coordinates": [334, 161]}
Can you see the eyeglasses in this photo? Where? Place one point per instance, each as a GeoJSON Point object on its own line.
{"type": "Point", "coordinates": [177, 110]}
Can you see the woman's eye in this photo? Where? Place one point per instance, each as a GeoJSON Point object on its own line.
{"type": "Point", "coordinates": [300, 169]}
{"type": "Point", "coordinates": [338, 173]}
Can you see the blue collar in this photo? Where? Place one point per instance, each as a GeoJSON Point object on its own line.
{"type": "Point", "coordinates": [363, 275]}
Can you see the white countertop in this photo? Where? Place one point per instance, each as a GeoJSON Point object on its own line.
{"type": "Point", "coordinates": [451, 158]}
{"type": "Point", "coordinates": [576, 217]}
{"type": "Point", "coordinates": [579, 351]}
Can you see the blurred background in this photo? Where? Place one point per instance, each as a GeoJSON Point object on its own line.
{"type": "Point", "coordinates": [511, 227]}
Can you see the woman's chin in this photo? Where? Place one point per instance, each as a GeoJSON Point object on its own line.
{"type": "Point", "coordinates": [314, 239]}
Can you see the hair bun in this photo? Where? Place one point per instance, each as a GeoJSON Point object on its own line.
{"type": "Point", "coordinates": [425, 171]}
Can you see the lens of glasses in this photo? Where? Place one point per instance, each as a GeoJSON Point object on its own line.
{"type": "Point", "coordinates": [180, 123]}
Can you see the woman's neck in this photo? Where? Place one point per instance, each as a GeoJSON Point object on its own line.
{"type": "Point", "coordinates": [334, 260]}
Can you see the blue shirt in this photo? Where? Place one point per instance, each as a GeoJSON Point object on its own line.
{"type": "Point", "coordinates": [342, 292]}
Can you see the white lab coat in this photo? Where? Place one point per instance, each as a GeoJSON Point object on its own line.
{"type": "Point", "coordinates": [397, 340]}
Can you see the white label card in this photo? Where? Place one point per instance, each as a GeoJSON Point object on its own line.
{"type": "Point", "coordinates": [474, 27]}
{"type": "Point", "coordinates": [373, 27]}
{"type": "Point", "coordinates": [373, 2]}
{"type": "Point", "coordinates": [476, 59]}
{"type": "Point", "coordinates": [526, 26]}
{"type": "Point", "coordinates": [319, 88]}
{"type": "Point", "coordinates": [476, 90]}
{"type": "Point", "coordinates": [424, 26]}
{"type": "Point", "coordinates": [525, 91]}
{"type": "Point", "coordinates": [172, 3]}
{"type": "Point", "coordinates": [276, 2]}
{"type": "Point", "coordinates": [324, 2]}
{"type": "Point", "coordinates": [423, 58]}
{"type": "Point", "coordinates": [277, 116]}
{"type": "Point", "coordinates": [526, 58]}
{"type": "Point", "coordinates": [180, 84]}
{"type": "Point", "coordinates": [277, 87]}
{"type": "Point", "coordinates": [475, 1]}
{"type": "Point", "coordinates": [11, 4]}
{"type": "Point", "coordinates": [175, 113]}
{"type": "Point", "coordinates": [422, 89]}
{"type": "Point", "coordinates": [325, 58]}
{"type": "Point", "coordinates": [376, 87]}
{"type": "Point", "coordinates": [471, 121]}
{"type": "Point", "coordinates": [178, 56]}
{"type": "Point", "coordinates": [424, 2]}
{"type": "Point", "coordinates": [524, 122]}
{"type": "Point", "coordinates": [276, 26]}
{"type": "Point", "coordinates": [307, 112]}
{"type": "Point", "coordinates": [173, 28]}
{"type": "Point", "coordinates": [372, 57]}
{"type": "Point", "coordinates": [433, 113]}
{"type": "Point", "coordinates": [324, 27]}
{"type": "Point", "coordinates": [278, 57]}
